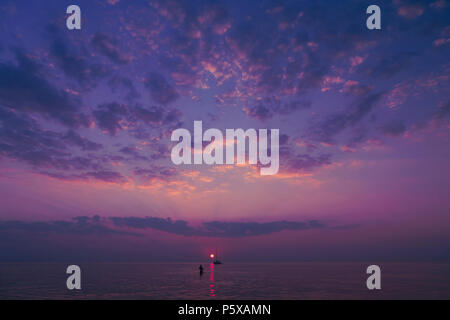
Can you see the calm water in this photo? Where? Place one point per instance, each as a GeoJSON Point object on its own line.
{"type": "Point", "coordinates": [227, 281]}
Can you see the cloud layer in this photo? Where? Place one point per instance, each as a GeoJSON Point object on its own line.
{"type": "Point", "coordinates": [97, 225]}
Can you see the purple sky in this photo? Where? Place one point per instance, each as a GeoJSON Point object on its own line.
{"type": "Point", "coordinates": [86, 118]}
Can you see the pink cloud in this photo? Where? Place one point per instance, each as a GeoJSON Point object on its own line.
{"type": "Point", "coordinates": [398, 95]}
{"type": "Point", "coordinates": [112, 2]}
{"type": "Point", "coordinates": [439, 4]}
{"type": "Point", "coordinates": [356, 61]}
{"type": "Point", "coordinates": [441, 41]}
{"type": "Point", "coordinates": [410, 11]}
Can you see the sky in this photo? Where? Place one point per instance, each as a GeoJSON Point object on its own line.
{"type": "Point", "coordinates": [86, 118]}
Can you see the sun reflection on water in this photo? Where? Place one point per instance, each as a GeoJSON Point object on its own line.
{"type": "Point", "coordinates": [211, 285]}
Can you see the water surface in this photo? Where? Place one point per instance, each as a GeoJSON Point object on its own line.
{"type": "Point", "coordinates": [227, 281]}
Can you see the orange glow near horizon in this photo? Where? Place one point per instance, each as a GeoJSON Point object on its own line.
{"type": "Point", "coordinates": [211, 255]}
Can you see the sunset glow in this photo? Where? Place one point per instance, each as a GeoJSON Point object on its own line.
{"type": "Point", "coordinates": [86, 118]}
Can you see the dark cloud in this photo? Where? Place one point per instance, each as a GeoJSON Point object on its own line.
{"type": "Point", "coordinates": [253, 43]}
{"type": "Point", "coordinates": [270, 107]}
{"type": "Point", "coordinates": [443, 111]}
{"type": "Point", "coordinates": [151, 115]}
{"type": "Point", "coordinates": [160, 151]}
{"type": "Point", "coordinates": [391, 64]}
{"type": "Point", "coordinates": [48, 152]}
{"type": "Point", "coordinates": [289, 107]}
{"type": "Point", "coordinates": [97, 225]}
{"type": "Point", "coordinates": [305, 162]}
{"type": "Point", "coordinates": [179, 227]}
{"type": "Point", "coordinates": [163, 119]}
{"type": "Point", "coordinates": [72, 62]}
{"type": "Point", "coordinates": [160, 90]}
{"type": "Point", "coordinates": [134, 152]}
{"type": "Point", "coordinates": [245, 229]}
{"type": "Point", "coordinates": [108, 47]}
{"type": "Point", "coordinates": [260, 112]}
{"type": "Point", "coordinates": [78, 226]}
{"type": "Point", "coordinates": [214, 228]}
{"type": "Point", "coordinates": [327, 128]}
{"type": "Point", "coordinates": [109, 116]}
{"type": "Point", "coordinates": [173, 118]}
{"type": "Point", "coordinates": [24, 88]}
{"type": "Point", "coordinates": [284, 138]}
{"type": "Point", "coordinates": [73, 138]}
{"type": "Point", "coordinates": [117, 81]}
{"type": "Point", "coordinates": [393, 128]}
{"type": "Point", "coordinates": [289, 52]}
{"type": "Point", "coordinates": [107, 176]}
{"type": "Point", "coordinates": [149, 174]}
{"type": "Point", "coordinates": [23, 139]}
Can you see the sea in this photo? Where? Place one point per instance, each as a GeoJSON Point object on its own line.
{"type": "Point", "coordinates": [236, 281]}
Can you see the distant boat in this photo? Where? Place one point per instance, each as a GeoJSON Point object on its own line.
{"type": "Point", "coordinates": [214, 256]}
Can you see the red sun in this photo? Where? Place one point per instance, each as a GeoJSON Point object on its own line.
{"type": "Point", "coordinates": [211, 255]}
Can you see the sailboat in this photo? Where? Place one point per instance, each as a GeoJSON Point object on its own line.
{"type": "Point", "coordinates": [216, 261]}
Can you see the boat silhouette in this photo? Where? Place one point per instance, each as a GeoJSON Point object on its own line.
{"type": "Point", "coordinates": [214, 256]}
